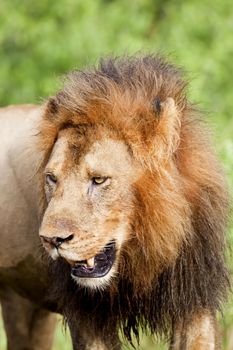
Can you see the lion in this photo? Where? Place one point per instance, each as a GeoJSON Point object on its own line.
{"type": "Point", "coordinates": [132, 208]}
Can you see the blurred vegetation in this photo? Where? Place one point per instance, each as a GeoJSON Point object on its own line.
{"type": "Point", "coordinates": [41, 40]}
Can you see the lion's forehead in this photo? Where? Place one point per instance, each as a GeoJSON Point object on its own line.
{"type": "Point", "coordinates": [103, 157]}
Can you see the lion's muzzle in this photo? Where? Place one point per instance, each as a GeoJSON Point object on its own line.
{"type": "Point", "coordinates": [95, 267]}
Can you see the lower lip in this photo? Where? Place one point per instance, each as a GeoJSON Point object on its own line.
{"type": "Point", "coordinates": [85, 272]}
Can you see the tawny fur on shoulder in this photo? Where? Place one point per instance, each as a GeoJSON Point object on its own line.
{"type": "Point", "coordinates": [167, 276]}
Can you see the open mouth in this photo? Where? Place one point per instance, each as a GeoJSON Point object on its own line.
{"type": "Point", "coordinates": [97, 266]}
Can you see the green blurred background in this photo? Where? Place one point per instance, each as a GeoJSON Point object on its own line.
{"type": "Point", "coordinates": [41, 40]}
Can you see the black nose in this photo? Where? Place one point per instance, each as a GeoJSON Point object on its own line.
{"type": "Point", "coordinates": [56, 241]}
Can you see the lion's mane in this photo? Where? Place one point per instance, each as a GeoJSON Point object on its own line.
{"type": "Point", "coordinates": [174, 264]}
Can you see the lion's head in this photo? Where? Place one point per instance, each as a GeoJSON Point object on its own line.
{"type": "Point", "coordinates": [125, 170]}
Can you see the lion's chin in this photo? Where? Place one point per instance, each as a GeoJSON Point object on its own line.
{"type": "Point", "coordinates": [95, 272]}
{"type": "Point", "coordinates": [96, 283]}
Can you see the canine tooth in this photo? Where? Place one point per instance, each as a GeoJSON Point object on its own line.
{"type": "Point", "coordinates": [91, 262]}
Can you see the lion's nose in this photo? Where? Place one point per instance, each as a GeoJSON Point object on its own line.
{"type": "Point", "coordinates": [56, 241]}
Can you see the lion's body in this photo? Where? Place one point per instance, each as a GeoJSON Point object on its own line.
{"type": "Point", "coordinates": [128, 177]}
{"type": "Point", "coordinates": [18, 201]}
{"type": "Point", "coordinates": [22, 280]}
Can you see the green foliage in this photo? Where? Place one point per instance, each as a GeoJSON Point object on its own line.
{"type": "Point", "coordinates": [41, 40]}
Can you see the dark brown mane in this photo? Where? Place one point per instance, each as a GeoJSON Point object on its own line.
{"type": "Point", "coordinates": [180, 202]}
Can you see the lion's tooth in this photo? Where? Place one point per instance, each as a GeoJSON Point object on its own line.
{"type": "Point", "coordinates": [91, 262]}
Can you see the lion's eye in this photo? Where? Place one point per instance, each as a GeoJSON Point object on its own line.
{"type": "Point", "coordinates": [98, 180]}
{"type": "Point", "coordinates": [51, 179]}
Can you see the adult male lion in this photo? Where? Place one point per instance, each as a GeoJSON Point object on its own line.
{"type": "Point", "coordinates": [133, 207]}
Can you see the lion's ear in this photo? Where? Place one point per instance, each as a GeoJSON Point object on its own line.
{"type": "Point", "coordinates": [51, 108]}
{"type": "Point", "coordinates": [157, 106]}
{"type": "Point", "coordinates": [167, 136]}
